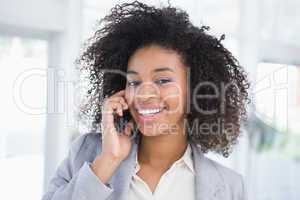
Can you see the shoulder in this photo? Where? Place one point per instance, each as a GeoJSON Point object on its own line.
{"type": "Point", "coordinates": [233, 181]}
{"type": "Point", "coordinates": [84, 141]}
{"type": "Point", "coordinates": [228, 175]}
{"type": "Point", "coordinates": [85, 147]}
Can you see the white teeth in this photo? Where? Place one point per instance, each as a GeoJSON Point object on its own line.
{"type": "Point", "coordinates": [149, 111]}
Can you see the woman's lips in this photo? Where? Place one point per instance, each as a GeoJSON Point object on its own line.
{"type": "Point", "coordinates": [150, 117]}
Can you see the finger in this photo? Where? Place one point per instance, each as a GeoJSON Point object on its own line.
{"type": "Point", "coordinates": [120, 100]}
{"type": "Point", "coordinates": [119, 93]}
{"type": "Point", "coordinates": [108, 113]}
{"type": "Point", "coordinates": [120, 110]}
{"type": "Point", "coordinates": [117, 108]}
{"type": "Point", "coordinates": [124, 103]}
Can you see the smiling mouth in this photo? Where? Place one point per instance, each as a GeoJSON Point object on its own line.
{"type": "Point", "coordinates": [146, 112]}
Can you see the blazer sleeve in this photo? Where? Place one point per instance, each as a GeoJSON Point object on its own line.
{"type": "Point", "coordinates": [82, 184]}
{"type": "Point", "coordinates": [244, 193]}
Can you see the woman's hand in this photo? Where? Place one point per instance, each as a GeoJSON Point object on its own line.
{"type": "Point", "coordinates": [115, 146]}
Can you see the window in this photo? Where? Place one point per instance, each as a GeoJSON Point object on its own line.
{"type": "Point", "coordinates": [274, 159]}
{"type": "Point", "coordinates": [23, 63]}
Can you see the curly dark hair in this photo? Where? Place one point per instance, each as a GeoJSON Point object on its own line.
{"type": "Point", "coordinates": [131, 26]}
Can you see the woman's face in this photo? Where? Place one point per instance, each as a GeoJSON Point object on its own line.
{"type": "Point", "coordinates": [156, 90]}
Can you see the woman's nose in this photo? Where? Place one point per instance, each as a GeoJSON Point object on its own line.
{"type": "Point", "coordinates": [146, 91]}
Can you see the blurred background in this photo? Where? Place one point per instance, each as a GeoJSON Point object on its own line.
{"type": "Point", "coordinates": [40, 40]}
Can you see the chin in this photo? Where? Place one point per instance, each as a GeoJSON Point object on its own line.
{"type": "Point", "coordinates": [148, 132]}
{"type": "Point", "coordinates": [152, 133]}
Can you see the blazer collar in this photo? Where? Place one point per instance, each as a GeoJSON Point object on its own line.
{"type": "Point", "coordinates": [209, 183]}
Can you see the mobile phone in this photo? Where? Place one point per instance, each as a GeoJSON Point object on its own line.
{"type": "Point", "coordinates": [120, 122]}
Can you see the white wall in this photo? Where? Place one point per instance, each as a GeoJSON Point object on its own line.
{"type": "Point", "coordinates": [38, 15]}
{"type": "Point", "coordinates": [58, 22]}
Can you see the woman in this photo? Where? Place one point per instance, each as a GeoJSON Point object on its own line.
{"type": "Point", "coordinates": [163, 92]}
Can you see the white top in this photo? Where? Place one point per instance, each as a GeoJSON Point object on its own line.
{"type": "Point", "coordinates": [178, 182]}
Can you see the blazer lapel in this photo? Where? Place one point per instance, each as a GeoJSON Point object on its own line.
{"type": "Point", "coordinates": [121, 179]}
{"type": "Point", "coordinates": [209, 183]}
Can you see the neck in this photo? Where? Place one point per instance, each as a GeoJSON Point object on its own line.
{"type": "Point", "coordinates": [162, 150]}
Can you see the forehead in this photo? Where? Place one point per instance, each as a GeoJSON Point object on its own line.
{"type": "Point", "coordinates": [154, 59]}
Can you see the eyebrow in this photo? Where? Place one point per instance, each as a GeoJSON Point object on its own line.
{"type": "Point", "coordinates": [155, 70]}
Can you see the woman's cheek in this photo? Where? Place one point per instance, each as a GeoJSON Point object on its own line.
{"type": "Point", "coordinates": [172, 97]}
{"type": "Point", "coordinates": [169, 97]}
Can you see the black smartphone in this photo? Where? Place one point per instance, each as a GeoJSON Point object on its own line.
{"type": "Point", "coordinates": [120, 122]}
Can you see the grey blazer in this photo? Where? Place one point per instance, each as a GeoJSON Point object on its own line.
{"type": "Point", "coordinates": [74, 180]}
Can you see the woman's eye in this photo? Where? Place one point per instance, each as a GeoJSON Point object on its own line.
{"type": "Point", "coordinates": [163, 81]}
{"type": "Point", "coordinates": [133, 83]}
